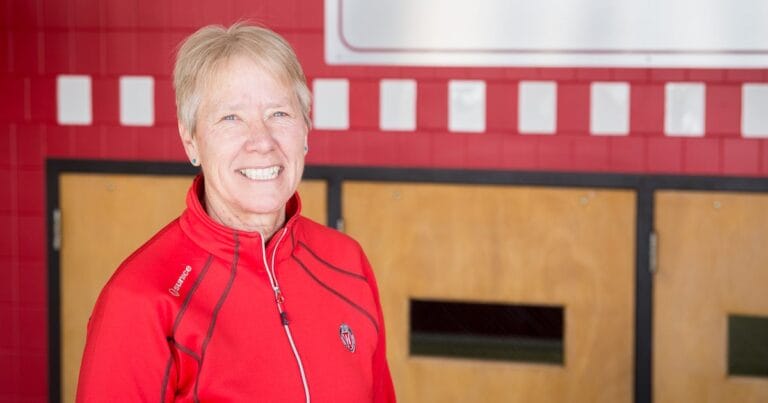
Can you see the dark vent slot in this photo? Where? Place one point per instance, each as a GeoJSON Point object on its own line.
{"type": "Point", "coordinates": [526, 333]}
{"type": "Point", "coordinates": [748, 345]}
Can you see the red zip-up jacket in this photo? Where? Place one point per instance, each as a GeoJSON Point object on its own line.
{"type": "Point", "coordinates": [204, 313]}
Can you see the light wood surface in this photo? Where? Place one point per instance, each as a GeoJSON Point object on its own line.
{"type": "Point", "coordinates": [314, 200]}
{"type": "Point", "coordinates": [105, 217]}
{"type": "Point", "coordinates": [713, 261]}
{"type": "Point", "coordinates": [516, 245]}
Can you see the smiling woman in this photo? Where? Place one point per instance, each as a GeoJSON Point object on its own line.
{"type": "Point", "coordinates": [249, 139]}
{"type": "Point", "coordinates": [241, 298]}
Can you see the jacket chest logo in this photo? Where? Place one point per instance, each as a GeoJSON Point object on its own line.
{"type": "Point", "coordinates": [180, 281]}
{"type": "Point", "coordinates": [347, 337]}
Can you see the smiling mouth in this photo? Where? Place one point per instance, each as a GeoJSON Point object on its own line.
{"type": "Point", "coordinates": [261, 174]}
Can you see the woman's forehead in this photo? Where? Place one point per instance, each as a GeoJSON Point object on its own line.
{"type": "Point", "coordinates": [237, 65]}
{"type": "Point", "coordinates": [239, 83]}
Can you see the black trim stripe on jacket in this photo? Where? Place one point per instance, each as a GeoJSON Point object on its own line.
{"type": "Point", "coordinates": [336, 293]}
{"type": "Point", "coordinates": [330, 266]}
{"type": "Point", "coordinates": [215, 314]}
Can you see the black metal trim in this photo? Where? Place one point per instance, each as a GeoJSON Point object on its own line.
{"type": "Point", "coordinates": [54, 292]}
{"type": "Point", "coordinates": [644, 185]}
{"type": "Point", "coordinates": [333, 203]}
{"type": "Point", "coordinates": [643, 296]}
{"type": "Point", "coordinates": [336, 175]}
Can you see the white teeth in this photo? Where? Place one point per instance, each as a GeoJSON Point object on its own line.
{"type": "Point", "coordinates": [261, 174]}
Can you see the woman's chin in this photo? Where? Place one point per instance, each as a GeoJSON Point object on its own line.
{"type": "Point", "coordinates": [263, 207]}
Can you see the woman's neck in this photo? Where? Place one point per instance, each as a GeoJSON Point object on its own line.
{"type": "Point", "coordinates": [266, 224]}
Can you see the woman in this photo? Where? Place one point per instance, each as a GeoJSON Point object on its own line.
{"type": "Point", "coordinates": [240, 298]}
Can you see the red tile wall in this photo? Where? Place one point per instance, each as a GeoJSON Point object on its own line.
{"type": "Point", "coordinates": [44, 38]}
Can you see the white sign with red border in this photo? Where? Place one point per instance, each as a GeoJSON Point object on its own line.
{"type": "Point", "coordinates": [576, 33]}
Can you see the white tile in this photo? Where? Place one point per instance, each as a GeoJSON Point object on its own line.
{"type": "Point", "coordinates": [466, 106]}
{"type": "Point", "coordinates": [684, 109]}
{"type": "Point", "coordinates": [754, 110]}
{"type": "Point", "coordinates": [397, 105]}
{"type": "Point", "coordinates": [331, 104]}
{"type": "Point", "coordinates": [537, 107]}
{"type": "Point", "coordinates": [609, 109]}
{"type": "Point", "coordinates": [73, 100]}
{"type": "Point", "coordinates": [137, 101]}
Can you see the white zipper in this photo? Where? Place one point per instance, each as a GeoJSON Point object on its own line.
{"type": "Point", "coordinates": [279, 303]}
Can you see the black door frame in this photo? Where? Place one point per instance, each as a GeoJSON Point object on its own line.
{"type": "Point", "coordinates": [644, 185]}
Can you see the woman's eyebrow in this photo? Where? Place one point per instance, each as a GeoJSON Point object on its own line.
{"type": "Point", "coordinates": [239, 105]}
{"type": "Point", "coordinates": [280, 103]}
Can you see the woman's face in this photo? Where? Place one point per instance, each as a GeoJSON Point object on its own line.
{"type": "Point", "coordinates": [250, 140]}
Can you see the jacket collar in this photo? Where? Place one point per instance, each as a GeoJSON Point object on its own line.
{"type": "Point", "coordinates": [222, 241]}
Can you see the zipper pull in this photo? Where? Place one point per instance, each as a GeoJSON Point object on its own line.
{"type": "Point", "coordinates": [284, 318]}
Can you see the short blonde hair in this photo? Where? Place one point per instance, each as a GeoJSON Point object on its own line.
{"type": "Point", "coordinates": [202, 54]}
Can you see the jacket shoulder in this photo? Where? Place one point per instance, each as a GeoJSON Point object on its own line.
{"type": "Point", "coordinates": [330, 246]}
{"type": "Point", "coordinates": [313, 232]}
{"type": "Point", "coordinates": [153, 262]}
{"type": "Point", "coordinates": [136, 295]}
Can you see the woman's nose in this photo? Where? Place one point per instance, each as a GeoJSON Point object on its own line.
{"type": "Point", "coordinates": [259, 136]}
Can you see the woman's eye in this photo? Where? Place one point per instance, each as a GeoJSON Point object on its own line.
{"type": "Point", "coordinates": [229, 117]}
{"type": "Point", "coordinates": [279, 114]}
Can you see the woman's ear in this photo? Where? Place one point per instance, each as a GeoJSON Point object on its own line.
{"type": "Point", "coordinates": [189, 143]}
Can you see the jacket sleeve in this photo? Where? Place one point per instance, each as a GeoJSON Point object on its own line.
{"type": "Point", "coordinates": [127, 357]}
{"type": "Point", "coordinates": [383, 388]}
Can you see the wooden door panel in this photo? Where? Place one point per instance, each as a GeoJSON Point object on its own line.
{"type": "Point", "coordinates": [512, 245]}
{"type": "Point", "coordinates": [712, 262]}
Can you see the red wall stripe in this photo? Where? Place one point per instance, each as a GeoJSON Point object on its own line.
{"type": "Point", "coordinates": [723, 106]}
